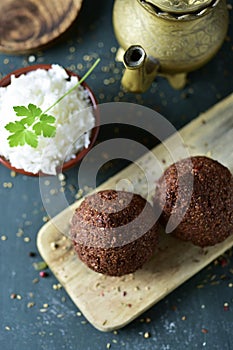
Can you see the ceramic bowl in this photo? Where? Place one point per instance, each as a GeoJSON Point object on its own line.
{"type": "Point", "coordinates": [80, 154]}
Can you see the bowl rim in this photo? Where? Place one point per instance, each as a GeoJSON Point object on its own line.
{"type": "Point", "coordinates": [5, 81]}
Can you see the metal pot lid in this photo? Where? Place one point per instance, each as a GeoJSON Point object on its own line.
{"type": "Point", "coordinates": [177, 6]}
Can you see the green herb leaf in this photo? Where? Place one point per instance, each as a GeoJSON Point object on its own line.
{"type": "Point", "coordinates": [35, 122]}
{"type": "Point", "coordinates": [45, 129]}
{"type": "Point", "coordinates": [31, 139]}
{"type": "Point", "coordinates": [17, 139]}
{"type": "Point", "coordinates": [27, 121]}
{"type": "Point", "coordinates": [21, 111]}
{"type": "Point", "coordinates": [34, 110]}
{"type": "Point", "coordinates": [14, 127]}
{"type": "Point", "coordinates": [40, 125]}
{"type": "Point", "coordinates": [22, 137]}
{"type": "Point", "coordinates": [30, 112]}
{"type": "Point", "coordinates": [49, 119]}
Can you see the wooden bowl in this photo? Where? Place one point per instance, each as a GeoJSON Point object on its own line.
{"type": "Point", "coordinates": [29, 25]}
{"type": "Point", "coordinates": [80, 154]}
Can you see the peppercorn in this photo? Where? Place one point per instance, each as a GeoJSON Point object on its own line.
{"type": "Point", "coordinates": [43, 274]}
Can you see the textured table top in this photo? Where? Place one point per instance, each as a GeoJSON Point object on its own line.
{"type": "Point", "coordinates": [35, 312]}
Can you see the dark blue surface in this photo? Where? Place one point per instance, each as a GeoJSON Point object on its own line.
{"type": "Point", "coordinates": [193, 316]}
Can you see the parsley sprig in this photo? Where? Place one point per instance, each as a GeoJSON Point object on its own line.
{"type": "Point", "coordinates": [27, 130]}
{"type": "Point", "coordinates": [34, 122]}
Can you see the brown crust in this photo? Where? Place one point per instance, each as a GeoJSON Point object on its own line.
{"type": "Point", "coordinates": [209, 218]}
{"type": "Point", "coordinates": [114, 232]}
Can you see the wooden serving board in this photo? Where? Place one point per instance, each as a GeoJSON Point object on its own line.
{"type": "Point", "coordinates": [112, 302]}
{"type": "Point", "coordinates": [27, 25]}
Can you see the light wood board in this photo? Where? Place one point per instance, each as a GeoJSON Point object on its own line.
{"type": "Point", "coordinates": [102, 299]}
{"type": "Point", "coordinates": [28, 25]}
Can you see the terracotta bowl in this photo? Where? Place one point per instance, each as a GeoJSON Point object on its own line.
{"type": "Point", "coordinates": [81, 154]}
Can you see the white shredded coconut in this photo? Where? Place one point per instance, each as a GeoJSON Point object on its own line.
{"type": "Point", "coordinates": [74, 119]}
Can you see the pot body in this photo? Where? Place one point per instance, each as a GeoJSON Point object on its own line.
{"type": "Point", "coordinates": [181, 43]}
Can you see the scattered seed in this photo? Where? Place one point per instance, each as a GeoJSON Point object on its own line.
{"type": "Point", "coordinates": [54, 245]}
{"type": "Point", "coordinates": [27, 239]}
{"type": "Point", "coordinates": [3, 238]}
{"type": "Point", "coordinates": [30, 304]}
{"type": "Point", "coordinates": [183, 318]}
{"type": "Point", "coordinates": [223, 277]}
{"type": "Point", "coordinates": [19, 233]}
{"type": "Point", "coordinates": [43, 310]}
{"type": "Point", "coordinates": [18, 296]}
{"type": "Point", "coordinates": [214, 283]}
{"type": "Point", "coordinates": [31, 58]}
{"type": "Point", "coordinates": [72, 49]}
{"type": "Point", "coordinates": [80, 66]}
{"type": "Point", "coordinates": [53, 191]}
{"type": "Point", "coordinates": [61, 177]}
{"type": "Point", "coordinates": [146, 335]}
{"type": "Point", "coordinates": [7, 184]}
{"type": "Point", "coordinates": [7, 328]}
{"type": "Point", "coordinates": [36, 280]}
{"type": "Point", "coordinates": [57, 286]}
{"type": "Point", "coordinates": [28, 223]}
{"type": "Point", "coordinates": [79, 314]}
{"type": "Point", "coordinates": [213, 277]}
{"type": "Point", "coordinates": [45, 218]}
{"type": "Point", "coordinates": [204, 330]}
{"type": "Point", "coordinates": [13, 296]}
{"type": "Point", "coordinates": [108, 346]}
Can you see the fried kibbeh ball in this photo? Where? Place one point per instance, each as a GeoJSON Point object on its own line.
{"type": "Point", "coordinates": [199, 195]}
{"type": "Point", "coordinates": [114, 232]}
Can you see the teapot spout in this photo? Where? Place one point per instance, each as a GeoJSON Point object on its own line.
{"type": "Point", "coordinates": [140, 70]}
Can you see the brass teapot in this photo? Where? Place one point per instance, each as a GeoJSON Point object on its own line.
{"type": "Point", "coordinates": [167, 37]}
